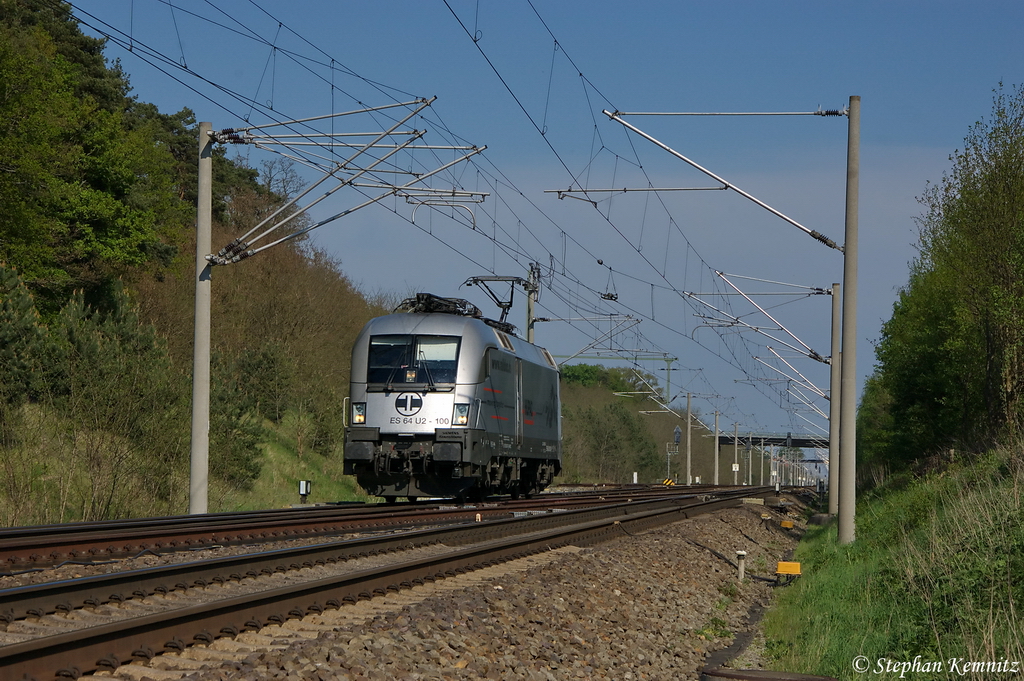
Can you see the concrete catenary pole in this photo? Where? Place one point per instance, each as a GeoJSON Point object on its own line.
{"type": "Point", "coordinates": [735, 453]}
{"type": "Point", "coordinates": [762, 462]}
{"type": "Point", "coordinates": [749, 449]}
{"type": "Point", "coordinates": [689, 477]}
{"type": "Point", "coordinates": [716, 447]}
{"type": "Point", "coordinates": [200, 448]}
{"type": "Point", "coordinates": [533, 288]}
{"type": "Point", "coordinates": [848, 370]}
{"type": "Point", "coordinates": [834, 393]}
{"type": "Point", "coordinates": [668, 381]}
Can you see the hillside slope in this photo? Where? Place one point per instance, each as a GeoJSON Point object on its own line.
{"type": "Point", "coordinates": [935, 572]}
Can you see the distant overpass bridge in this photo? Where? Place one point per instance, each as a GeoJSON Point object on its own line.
{"type": "Point", "coordinates": [800, 440]}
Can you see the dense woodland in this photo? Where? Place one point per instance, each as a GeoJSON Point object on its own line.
{"type": "Point", "coordinates": [96, 295]}
{"type": "Point", "coordinates": [950, 372]}
{"type": "Point", "coordinates": [96, 298]}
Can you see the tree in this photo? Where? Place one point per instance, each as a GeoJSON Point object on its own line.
{"type": "Point", "coordinates": [86, 195]}
{"type": "Point", "coordinates": [21, 342]}
{"type": "Point", "coordinates": [951, 358]}
{"type": "Point", "coordinates": [98, 192]}
{"type": "Point", "coordinates": [875, 425]}
{"type": "Point", "coordinates": [604, 438]}
{"type": "Point", "coordinates": [973, 232]}
{"type": "Point", "coordinates": [119, 407]}
{"type": "Point", "coordinates": [616, 379]}
{"type": "Point", "coordinates": [94, 416]}
{"type": "Point", "coordinates": [19, 335]}
{"type": "Point", "coordinates": [932, 365]}
{"type": "Point", "coordinates": [94, 79]}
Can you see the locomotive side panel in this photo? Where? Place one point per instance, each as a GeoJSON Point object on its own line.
{"type": "Point", "coordinates": [496, 400]}
{"type": "Point", "coordinates": [542, 444]}
{"type": "Point", "coordinates": [541, 412]}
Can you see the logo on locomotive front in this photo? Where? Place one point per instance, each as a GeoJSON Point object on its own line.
{"type": "Point", "coordinates": [408, 404]}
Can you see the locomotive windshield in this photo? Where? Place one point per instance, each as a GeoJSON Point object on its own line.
{"type": "Point", "coordinates": [406, 359]}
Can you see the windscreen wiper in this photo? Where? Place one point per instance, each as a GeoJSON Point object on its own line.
{"type": "Point", "coordinates": [426, 370]}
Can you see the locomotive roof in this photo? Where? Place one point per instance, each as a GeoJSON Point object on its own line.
{"type": "Point", "coordinates": [475, 333]}
{"type": "Point", "coordinates": [428, 302]}
{"type": "Point", "coordinates": [435, 323]}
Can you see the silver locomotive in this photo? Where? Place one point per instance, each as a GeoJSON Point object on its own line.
{"type": "Point", "coordinates": [445, 403]}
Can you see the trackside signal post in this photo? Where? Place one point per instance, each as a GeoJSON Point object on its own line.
{"type": "Point", "coordinates": [672, 448]}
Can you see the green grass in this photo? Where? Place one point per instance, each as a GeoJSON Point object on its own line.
{"type": "Point", "coordinates": [284, 463]}
{"type": "Point", "coordinates": [936, 570]}
{"type": "Point", "coordinates": [716, 628]}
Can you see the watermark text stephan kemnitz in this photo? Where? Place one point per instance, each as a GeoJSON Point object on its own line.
{"type": "Point", "coordinates": [954, 666]}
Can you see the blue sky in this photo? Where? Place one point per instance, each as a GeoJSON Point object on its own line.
{"type": "Point", "coordinates": [925, 72]}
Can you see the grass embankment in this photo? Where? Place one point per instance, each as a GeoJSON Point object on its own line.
{"type": "Point", "coordinates": [284, 462]}
{"type": "Point", "coordinates": [937, 570]}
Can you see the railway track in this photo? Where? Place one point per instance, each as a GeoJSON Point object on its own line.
{"type": "Point", "coordinates": [46, 545]}
{"type": "Point", "coordinates": [65, 629]}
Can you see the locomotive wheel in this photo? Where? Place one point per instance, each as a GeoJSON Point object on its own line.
{"type": "Point", "coordinates": [390, 498]}
{"type": "Point", "coordinates": [529, 488]}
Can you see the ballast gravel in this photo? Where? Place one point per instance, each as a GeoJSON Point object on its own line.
{"type": "Point", "coordinates": [645, 606]}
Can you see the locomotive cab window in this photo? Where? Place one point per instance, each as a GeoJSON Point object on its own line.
{"type": "Point", "coordinates": [407, 361]}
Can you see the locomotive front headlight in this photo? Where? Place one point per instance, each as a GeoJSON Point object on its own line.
{"type": "Point", "coordinates": [460, 416]}
{"type": "Point", "coordinates": [359, 412]}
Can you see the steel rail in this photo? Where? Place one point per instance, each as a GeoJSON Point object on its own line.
{"type": "Point", "coordinates": [37, 600]}
{"type": "Point", "coordinates": [70, 654]}
{"type": "Point", "coordinates": [44, 545]}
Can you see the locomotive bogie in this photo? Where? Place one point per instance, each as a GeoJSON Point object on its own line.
{"type": "Point", "coordinates": [448, 406]}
